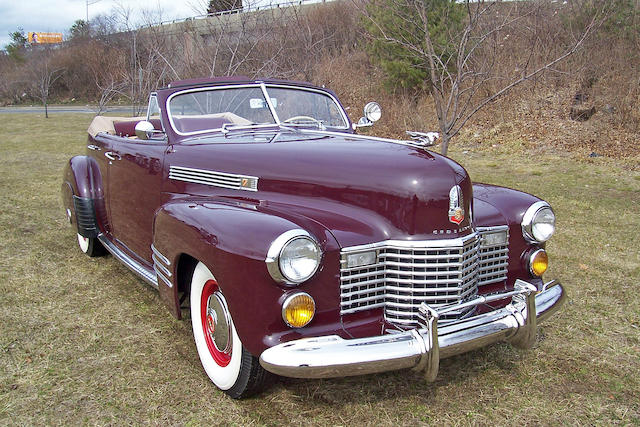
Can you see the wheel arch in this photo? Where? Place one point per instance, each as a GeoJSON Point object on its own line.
{"type": "Point", "coordinates": [185, 266]}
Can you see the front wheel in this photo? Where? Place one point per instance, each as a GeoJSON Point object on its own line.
{"type": "Point", "coordinates": [225, 360]}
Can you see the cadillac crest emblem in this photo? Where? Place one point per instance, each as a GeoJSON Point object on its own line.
{"type": "Point", "coordinates": [456, 211]}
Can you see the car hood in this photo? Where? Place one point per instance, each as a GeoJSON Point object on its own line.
{"type": "Point", "coordinates": [362, 190]}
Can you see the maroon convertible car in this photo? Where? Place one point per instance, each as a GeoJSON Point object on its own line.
{"type": "Point", "coordinates": [301, 248]}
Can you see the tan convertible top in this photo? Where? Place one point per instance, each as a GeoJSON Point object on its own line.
{"type": "Point", "coordinates": [105, 124]}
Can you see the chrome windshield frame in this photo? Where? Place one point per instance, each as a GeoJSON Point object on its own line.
{"type": "Point", "coordinates": [264, 89]}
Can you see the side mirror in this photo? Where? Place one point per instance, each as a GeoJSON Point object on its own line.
{"type": "Point", "coordinates": [372, 113]}
{"type": "Point", "coordinates": [144, 130]}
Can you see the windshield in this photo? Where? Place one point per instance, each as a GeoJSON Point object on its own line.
{"type": "Point", "coordinates": [203, 110]}
{"type": "Point", "coordinates": [295, 106]}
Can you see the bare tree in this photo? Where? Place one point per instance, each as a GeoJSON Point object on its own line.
{"type": "Point", "coordinates": [219, 45]}
{"type": "Point", "coordinates": [108, 90]}
{"type": "Point", "coordinates": [462, 73]}
{"type": "Point", "coordinates": [43, 73]}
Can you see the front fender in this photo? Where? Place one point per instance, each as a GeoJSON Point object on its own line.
{"type": "Point", "coordinates": [232, 240]}
{"type": "Point", "coordinates": [83, 196]}
{"type": "Point", "coordinates": [495, 205]}
{"type": "Point", "coordinates": [511, 204]}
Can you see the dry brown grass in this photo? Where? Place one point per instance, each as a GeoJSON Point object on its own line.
{"type": "Point", "coordinates": [85, 342]}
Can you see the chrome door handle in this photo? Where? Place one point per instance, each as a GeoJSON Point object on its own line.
{"type": "Point", "coordinates": [112, 156]}
{"type": "Point", "coordinates": [93, 147]}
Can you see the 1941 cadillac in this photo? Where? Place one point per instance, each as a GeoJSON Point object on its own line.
{"type": "Point", "coordinates": [301, 248]}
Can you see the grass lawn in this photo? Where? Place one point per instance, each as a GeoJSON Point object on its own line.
{"type": "Point", "coordinates": [84, 341]}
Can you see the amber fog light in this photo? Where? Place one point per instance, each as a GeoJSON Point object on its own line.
{"type": "Point", "coordinates": [538, 262]}
{"type": "Point", "coordinates": [298, 310]}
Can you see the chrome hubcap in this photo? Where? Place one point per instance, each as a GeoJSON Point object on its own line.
{"type": "Point", "coordinates": [218, 323]}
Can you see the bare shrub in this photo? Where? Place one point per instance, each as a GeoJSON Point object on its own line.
{"type": "Point", "coordinates": [460, 62]}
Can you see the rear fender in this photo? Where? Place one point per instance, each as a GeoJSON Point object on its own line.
{"type": "Point", "coordinates": [83, 196]}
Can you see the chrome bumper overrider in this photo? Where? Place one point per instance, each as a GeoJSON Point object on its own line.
{"type": "Point", "coordinates": [422, 348]}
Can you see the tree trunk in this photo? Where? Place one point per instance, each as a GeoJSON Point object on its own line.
{"type": "Point", "coordinates": [46, 110]}
{"type": "Point", "coordinates": [445, 143]}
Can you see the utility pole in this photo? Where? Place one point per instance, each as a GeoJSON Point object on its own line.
{"type": "Point", "coordinates": [90, 2]}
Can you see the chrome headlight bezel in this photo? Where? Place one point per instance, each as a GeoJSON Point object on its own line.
{"type": "Point", "coordinates": [274, 259]}
{"type": "Point", "coordinates": [532, 217]}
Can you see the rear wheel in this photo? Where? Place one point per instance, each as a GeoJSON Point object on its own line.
{"type": "Point", "coordinates": [90, 246]}
{"type": "Point", "coordinates": [225, 360]}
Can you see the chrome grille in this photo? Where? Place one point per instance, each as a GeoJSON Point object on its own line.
{"type": "Point", "coordinates": [493, 258]}
{"type": "Point", "coordinates": [406, 274]}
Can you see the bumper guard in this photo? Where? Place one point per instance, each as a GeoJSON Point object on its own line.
{"type": "Point", "coordinates": [421, 348]}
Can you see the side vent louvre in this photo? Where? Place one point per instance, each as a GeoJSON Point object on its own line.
{"type": "Point", "coordinates": [213, 178]}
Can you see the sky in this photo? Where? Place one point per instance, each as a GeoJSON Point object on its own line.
{"type": "Point", "coordinates": [59, 15]}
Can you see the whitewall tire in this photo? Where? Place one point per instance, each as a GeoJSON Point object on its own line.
{"type": "Point", "coordinates": [227, 363]}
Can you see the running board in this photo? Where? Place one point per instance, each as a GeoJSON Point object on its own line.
{"type": "Point", "coordinates": [132, 264]}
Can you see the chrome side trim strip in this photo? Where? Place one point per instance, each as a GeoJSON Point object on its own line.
{"type": "Point", "coordinates": [162, 258]}
{"type": "Point", "coordinates": [132, 264]}
{"type": "Point", "coordinates": [214, 178]}
{"type": "Point", "coordinates": [157, 265]}
{"type": "Point", "coordinates": [162, 277]}
{"type": "Point", "coordinates": [161, 265]}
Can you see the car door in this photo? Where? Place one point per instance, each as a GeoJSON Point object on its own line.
{"type": "Point", "coordinates": [134, 188]}
{"type": "Point", "coordinates": [135, 181]}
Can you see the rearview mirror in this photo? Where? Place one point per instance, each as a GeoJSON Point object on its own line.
{"type": "Point", "coordinates": [372, 113]}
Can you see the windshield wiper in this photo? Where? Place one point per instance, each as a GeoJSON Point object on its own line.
{"type": "Point", "coordinates": [319, 124]}
{"type": "Point", "coordinates": [252, 127]}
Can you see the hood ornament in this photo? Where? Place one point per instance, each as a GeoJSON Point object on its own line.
{"type": "Point", "coordinates": [456, 210]}
{"type": "Point", "coordinates": [426, 139]}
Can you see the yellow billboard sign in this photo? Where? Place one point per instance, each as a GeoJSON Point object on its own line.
{"type": "Point", "coordinates": [42, 38]}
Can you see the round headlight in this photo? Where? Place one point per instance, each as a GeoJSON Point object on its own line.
{"type": "Point", "coordinates": [299, 259]}
{"type": "Point", "coordinates": [293, 257]}
{"type": "Point", "coordinates": [298, 310]}
{"type": "Point", "coordinates": [538, 223]}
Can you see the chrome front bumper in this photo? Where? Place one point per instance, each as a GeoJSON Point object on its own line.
{"type": "Point", "coordinates": [421, 349]}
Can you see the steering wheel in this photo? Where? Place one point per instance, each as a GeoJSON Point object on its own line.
{"type": "Point", "coordinates": [301, 118]}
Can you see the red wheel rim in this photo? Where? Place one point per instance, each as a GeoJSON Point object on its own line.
{"type": "Point", "coordinates": [210, 321]}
